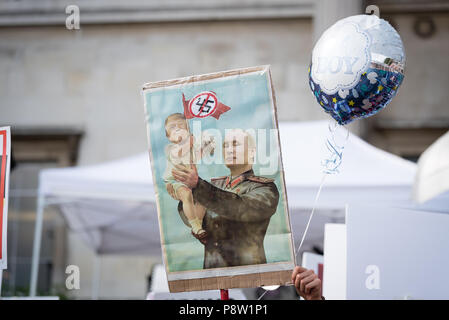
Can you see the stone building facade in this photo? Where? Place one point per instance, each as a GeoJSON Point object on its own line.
{"type": "Point", "coordinates": [73, 96]}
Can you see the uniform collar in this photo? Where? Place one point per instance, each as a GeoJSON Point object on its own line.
{"type": "Point", "coordinates": [232, 182]}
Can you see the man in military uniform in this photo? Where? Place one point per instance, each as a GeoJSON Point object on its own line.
{"type": "Point", "coordinates": [238, 207]}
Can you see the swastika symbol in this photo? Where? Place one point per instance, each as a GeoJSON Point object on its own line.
{"type": "Point", "coordinates": [203, 104]}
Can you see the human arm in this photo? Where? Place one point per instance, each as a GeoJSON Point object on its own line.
{"type": "Point", "coordinates": [307, 283]}
{"type": "Point", "coordinates": [257, 204]}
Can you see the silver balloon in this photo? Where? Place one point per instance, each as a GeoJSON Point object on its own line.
{"type": "Point", "coordinates": [357, 67]}
{"type": "Point", "coordinates": [350, 47]}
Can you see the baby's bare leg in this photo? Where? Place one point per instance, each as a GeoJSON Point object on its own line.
{"type": "Point", "coordinates": [185, 195]}
{"type": "Point", "coordinates": [200, 211]}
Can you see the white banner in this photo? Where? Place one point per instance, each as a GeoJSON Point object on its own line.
{"type": "Point", "coordinates": [5, 160]}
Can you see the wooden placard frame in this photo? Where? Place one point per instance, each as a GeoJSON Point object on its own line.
{"type": "Point", "coordinates": [249, 280]}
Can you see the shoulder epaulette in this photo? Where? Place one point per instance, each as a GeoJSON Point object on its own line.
{"type": "Point", "coordinates": [219, 178]}
{"type": "Point", "coordinates": [260, 179]}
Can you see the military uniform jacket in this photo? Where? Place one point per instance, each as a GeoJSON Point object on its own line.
{"type": "Point", "coordinates": [238, 212]}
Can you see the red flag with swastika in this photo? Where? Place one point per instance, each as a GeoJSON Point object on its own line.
{"type": "Point", "coordinates": [203, 105]}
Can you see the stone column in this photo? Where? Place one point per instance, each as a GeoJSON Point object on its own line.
{"type": "Point", "coordinates": [327, 12]}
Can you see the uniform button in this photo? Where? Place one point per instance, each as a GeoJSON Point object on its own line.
{"type": "Point", "coordinates": [216, 244]}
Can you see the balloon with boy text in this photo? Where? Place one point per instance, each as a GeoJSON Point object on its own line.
{"type": "Point", "coordinates": [357, 67]}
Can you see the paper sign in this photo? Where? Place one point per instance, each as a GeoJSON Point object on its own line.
{"type": "Point", "coordinates": [231, 227]}
{"type": "Point", "coordinates": [5, 158]}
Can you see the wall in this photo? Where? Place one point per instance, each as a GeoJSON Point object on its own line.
{"type": "Point", "coordinates": [91, 78]}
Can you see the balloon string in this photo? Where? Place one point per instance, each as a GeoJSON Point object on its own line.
{"type": "Point", "coordinates": [333, 162]}
{"type": "Point", "coordinates": [261, 296]}
{"type": "Point", "coordinates": [311, 214]}
{"type": "Point", "coordinates": [331, 165]}
{"type": "Point", "coordinates": [308, 223]}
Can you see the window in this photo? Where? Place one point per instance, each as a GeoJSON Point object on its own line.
{"type": "Point", "coordinates": [32, 151]}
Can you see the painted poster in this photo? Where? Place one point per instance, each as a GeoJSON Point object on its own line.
{"type": "Point", "coordinates": [217, 172]}
{"type": "Point", "coordinates": [5, 152]}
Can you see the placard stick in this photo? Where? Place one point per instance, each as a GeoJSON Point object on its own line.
{"type": "Point", "coordinates": [224, 294]}
{"type": "Point", "coordinates": [1, 279]}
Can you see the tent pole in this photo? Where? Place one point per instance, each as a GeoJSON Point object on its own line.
{"type": "Point", "coordinates": [96, 277]}
{"type": "Point", "coordinates": [37, 244]}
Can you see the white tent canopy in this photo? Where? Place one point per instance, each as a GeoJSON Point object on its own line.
{"type": "Point", "coordinates": [303, 149]}
{"type": "Point", "coordinates": [432, 178]}
{"type": "Point", "coordinates": [124, 179]}
{"type": "Point", "coordinates": [112, 205]}
{"type": "Point", "coordinates": [367, 174]}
